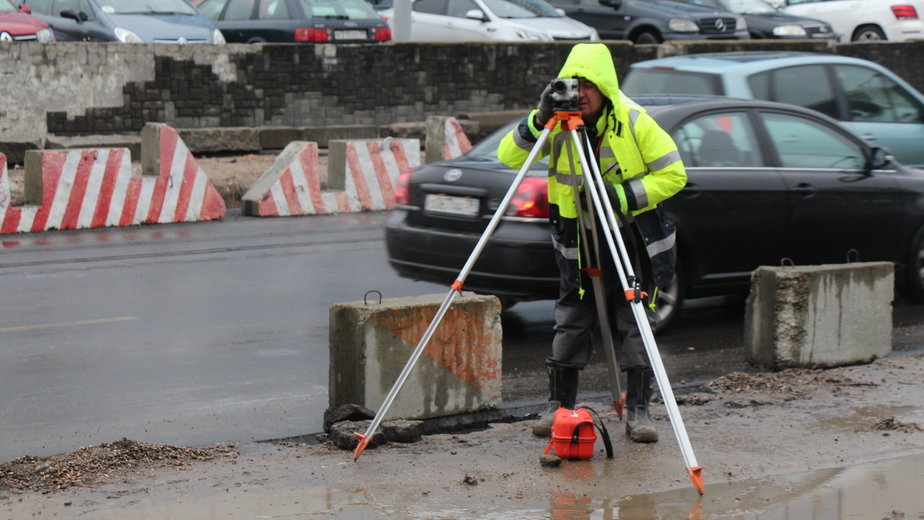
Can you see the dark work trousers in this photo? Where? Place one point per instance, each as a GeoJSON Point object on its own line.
{"type": "Point", "coordinates": [576, 319]}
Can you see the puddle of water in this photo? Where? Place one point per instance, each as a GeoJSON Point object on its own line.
{"type": "Point", "coordinates": [886, 490]}
{"type": "Point", "coordinates": [865, 415]}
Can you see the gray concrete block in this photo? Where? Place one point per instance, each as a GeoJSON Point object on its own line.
{"type": "Point", "coordinates": [458, 372]}
{"type": "Point", "coordinates": [228, 139]}
{"type": "Point", "coordinates": [819, 316]}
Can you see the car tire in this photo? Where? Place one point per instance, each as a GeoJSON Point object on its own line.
{"type": "Point", "coordinates": [647, 37]}
{"type": "Point", "coordinates": [868, 33]}
{"type": "Point", "coordinates": [913, 275]}
{"type": "Point", "coordinates": [669, 302]}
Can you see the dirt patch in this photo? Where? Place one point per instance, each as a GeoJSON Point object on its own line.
{"type": "Point", "coordinates": [93, 465]}
{"type": "Point", "coordinates": [794, 381]}
{"type": "Point", "coordinates": [891, 425]}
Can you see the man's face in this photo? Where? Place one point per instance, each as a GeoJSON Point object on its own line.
{"type": "Point", "coordinates": [590, 99]}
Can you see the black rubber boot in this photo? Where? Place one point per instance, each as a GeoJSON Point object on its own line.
{"type": "Point", "coordinates": [639, 427]}
{"type": "Point", "coordinates": [563, 383]}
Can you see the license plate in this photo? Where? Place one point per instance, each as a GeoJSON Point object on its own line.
{"type": "Point", "coordinates": [351, 35]}
{"type": "Point", "coordinates": [467, 206]}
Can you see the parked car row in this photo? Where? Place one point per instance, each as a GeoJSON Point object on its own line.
{"type": "Point", "coordinates": [767, 183]}
{"type": "Point", "coordinates": [361, 21]}
{"type": "Point", "coordinates": [865, 97]}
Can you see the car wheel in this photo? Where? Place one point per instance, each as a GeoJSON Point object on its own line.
{"type": "Point", "coordinates": [868, 33]}
{"type": "Point", "coordinates": [913, 286]}
{"type": "Point", "coordinates": [669, 301]}
{"type": "Point", "coordinates": [647, 37]}
{"type": "Point", "coordinates": [506, 302]}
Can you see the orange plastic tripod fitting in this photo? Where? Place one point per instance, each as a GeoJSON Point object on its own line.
{"type": "Point", "coordinates": [456, 286]}
{"type": "Point", "coordinates": [363, 442]}
{"type": "Point", "coordinates": [696, 476]}
{"type": "Point", "coordinates": [569, 120]}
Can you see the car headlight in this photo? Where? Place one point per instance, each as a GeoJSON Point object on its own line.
{"type": "Point", "coordinates": [217, 37]}
{"type": "Point", "coordinates": [45, 35]}
{"type": "Point", "coordinates": [741, 24]}
{"type": "Point", "coordinates": [789, 30]}
{"type": "Point", "coordinates": [682, 25]}
{"type": "Point", "coordinates": [126, 36]}
{"type": "Point", "coordinates": [529, 35]}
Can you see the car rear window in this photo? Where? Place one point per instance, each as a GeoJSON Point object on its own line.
{"type": "Point", "coordinates": [347, 9]}
{"type": "Point", "coordinates": [659, 81]}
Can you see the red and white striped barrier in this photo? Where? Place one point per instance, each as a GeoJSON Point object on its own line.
{"type": "Point", "coordinates": [455, 141]}
{"type": "Point", "coordinates": [361, 177]}
{"type": "Point", "coordinates": [87, 188]}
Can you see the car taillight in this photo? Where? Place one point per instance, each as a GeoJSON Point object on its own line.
{"type": "Point", "coordinates": [382, 34]}
{"type": "Point", "coordinates": [311, 34]}
{"type": "Point", "coordinates": [531, 199]}
{"type": "Point", "coordinates": [403, 187]}
{"type": "Point", "coordinates": [905, 12]}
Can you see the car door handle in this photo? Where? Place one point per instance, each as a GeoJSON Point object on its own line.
{"type": "Point", "coordinates": [804, 189]}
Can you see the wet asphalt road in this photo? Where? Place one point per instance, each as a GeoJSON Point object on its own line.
{"type": "Point", "coordinates": [200, 333]}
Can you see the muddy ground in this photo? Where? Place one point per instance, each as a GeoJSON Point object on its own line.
{"type": "Point", "coordinates": [743, 428]}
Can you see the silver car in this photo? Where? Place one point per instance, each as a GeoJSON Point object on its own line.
{"type": "Point", "coordinates": [491, 20]}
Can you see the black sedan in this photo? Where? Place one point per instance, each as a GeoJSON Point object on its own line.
{"type": "Point", "coordinates": [298, 21]}
{"type": "Point", "coordinates": [768, 183]}
{"type": "Point", "coordinates": [766, 22]}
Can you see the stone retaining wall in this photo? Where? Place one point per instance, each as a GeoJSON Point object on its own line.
{"type": "Point", "coordinates": [77, 89]}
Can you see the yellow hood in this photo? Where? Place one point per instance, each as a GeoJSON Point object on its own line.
{"type": "Point", "coordinates": [594, 62]}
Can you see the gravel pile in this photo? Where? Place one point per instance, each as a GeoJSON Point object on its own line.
{"type": "Point", "coordinates": [97, 464]}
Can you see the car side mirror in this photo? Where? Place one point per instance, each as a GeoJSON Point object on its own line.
{"type": "Point", "coordinates": [77, 17]}
{"type": "Point", "coordinates": [615, 4]}
{"type": "Point", "coordinates": [25, 9]}
{"type": "Point", "coordinates": [880, 158]}
{"type": "Point", "coordinates": [476, 14]}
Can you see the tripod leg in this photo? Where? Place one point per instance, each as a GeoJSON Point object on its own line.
{"type": "Point", "coordinates": [455, 289]}
{"type": "Point", "coordinates": [594, 273]}
{"type": "Point", "coordinates": [594, 185]}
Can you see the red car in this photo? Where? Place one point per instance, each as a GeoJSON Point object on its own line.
{"type": "Point", "coordinates": [20, 26]}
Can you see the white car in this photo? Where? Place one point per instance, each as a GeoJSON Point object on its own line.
{"type": "Point", "coordinates": [491, 20]}
{"type": "Point", "coordinates": [864, 20]}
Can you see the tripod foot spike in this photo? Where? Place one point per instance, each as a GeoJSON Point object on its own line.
{"type": "Point", "coordinates": [620, 405]}
{"type": "Point", "coordinates": [696, 476]}
{"type": "Point", "coordinates": [363, 442]}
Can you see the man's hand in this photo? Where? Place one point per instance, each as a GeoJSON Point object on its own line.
{"type": "Point", "coordinates": [544, 108]}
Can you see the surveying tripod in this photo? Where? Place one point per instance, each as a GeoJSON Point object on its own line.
{"type": "Point", "coordinates": [602, 209]}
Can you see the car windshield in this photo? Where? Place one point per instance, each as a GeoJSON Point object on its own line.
{"type": "Point", "coordinates": [658, 81]}
{"type": "Point", "coordinates": [146, 7]}
{"type": "Point", "coordinates": [522, 9]}
{"type": "Point", "coordinates": [338, 9]}
{"type": "Point", "coordinates": [750, 6]}
{"type": "Point", "coordinates": [7, 7]}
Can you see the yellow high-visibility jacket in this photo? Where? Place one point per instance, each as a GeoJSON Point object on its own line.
{"type": "Point", "coordinates": [636, 156]}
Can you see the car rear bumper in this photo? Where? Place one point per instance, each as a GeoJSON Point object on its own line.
{"type": "Point", "coordinates": [517, 262]}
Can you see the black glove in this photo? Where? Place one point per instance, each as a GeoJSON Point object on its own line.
{"type": "Point", "coordinates": [544, 108]}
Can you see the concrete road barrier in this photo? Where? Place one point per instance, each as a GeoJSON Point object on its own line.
{"type": "Point", "coordinates": [361, 176]}
{"type": "Point", "coordinates": [819, 316]}
{"type": "Point", "coordinates": [88, 188]}
{"type": "Point", "coordinates": [445, 139]}
{"type": "Point", "coordinates": [458, 372]}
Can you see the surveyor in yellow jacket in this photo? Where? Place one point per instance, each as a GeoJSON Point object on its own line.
{"type": "Point", "coordinates": [641, 167]}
